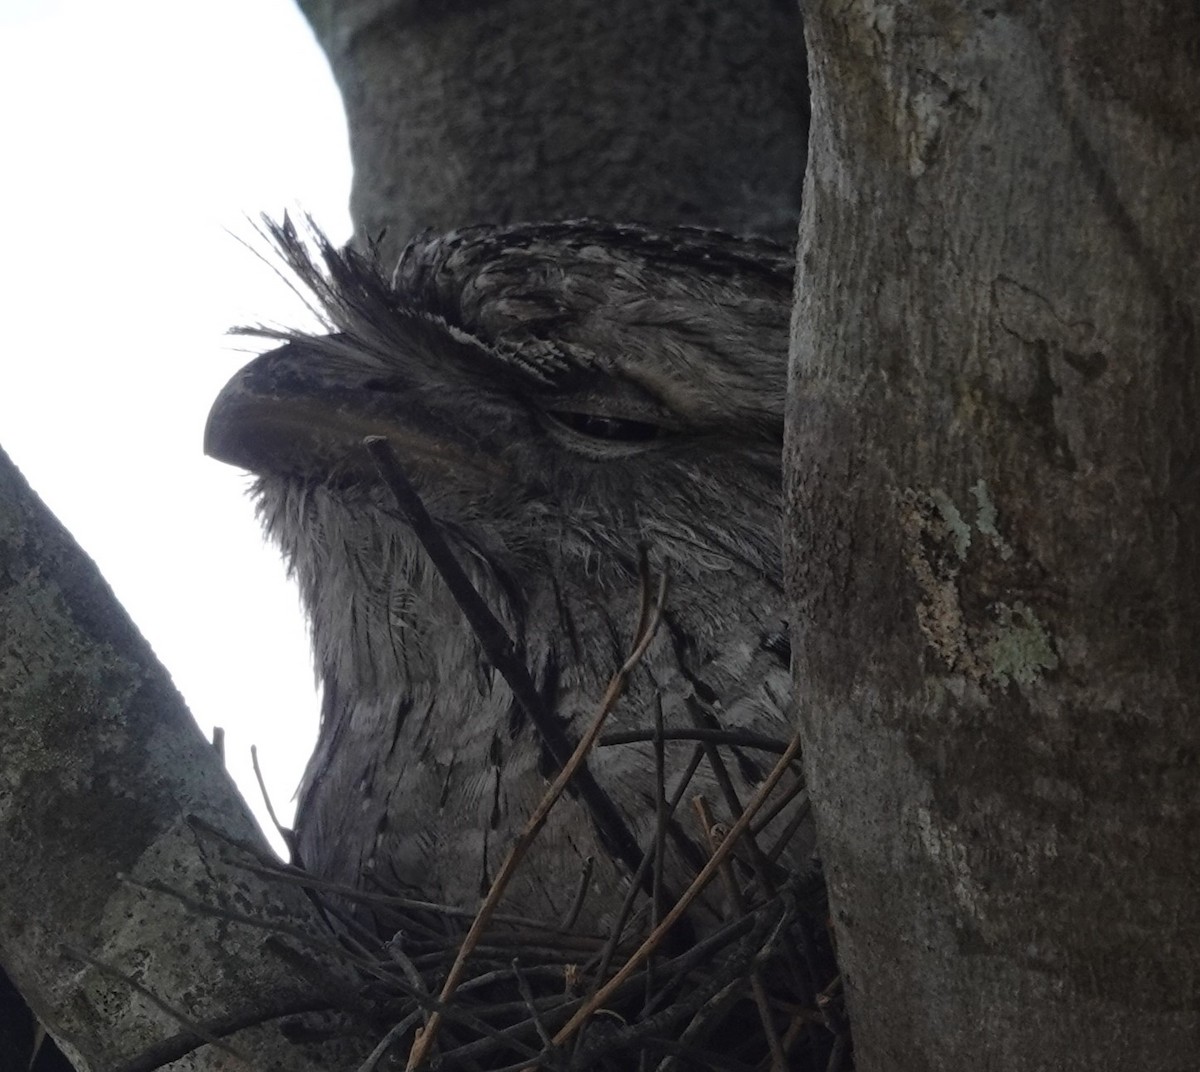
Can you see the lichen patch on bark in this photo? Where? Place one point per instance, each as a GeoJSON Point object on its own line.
{"type": "Point", "coordinates": [985, 519]}
{"type": "Point", "coordinates": [937, 541]}
{"type": "Point", "coordinates": [968, 627]}
{"type": "Point", "coordinates": [1020, 648]}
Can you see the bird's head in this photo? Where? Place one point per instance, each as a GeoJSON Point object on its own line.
{"type": "Point", "coordinates": [560, 395]}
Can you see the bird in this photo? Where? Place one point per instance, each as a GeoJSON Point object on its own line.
{"type": "Point", "coordinates": [576, 405]}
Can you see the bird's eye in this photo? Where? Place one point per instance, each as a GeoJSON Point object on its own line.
{"type": "Point", "coordinates": [612, 428]}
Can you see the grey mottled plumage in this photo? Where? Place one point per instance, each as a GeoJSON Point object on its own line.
{"type": "Point", "coordinates": [561, 395]}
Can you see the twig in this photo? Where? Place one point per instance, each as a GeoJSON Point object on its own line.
{"type": "Point", "coordinates": [299, 877]}
{"type": "Point", "coordinates": [269, 857]}
{"type": "Point", "coordinates": [736, 738]}
{"type": "Point", "coordinates": [548, 954]}
{"type": "Point", "coordinates": [837, 1056]}
{"type": "Point", "coordinates": [497, 644]}
{"type": "Point", "coordinates": [748, 931]}
{"type": "Point", "coordinates": [402, 959]}
{"type": "Point", "coordinates": [761, 866]}
{"type": "Point", "coordinates": [789, 831]}
{"type": "Point", "coordinates": [184, 1021]}
{"type": "Point", "coordinates": [803, 1019]}
{"type": "Point", "coordinates": [289, 838]}
{"type": "Point", "coordinates": [661, 818]}
{"type": "Point", "coordinates": [552, 972]}
{"type": "Point", "coordinates": [701, 1019]}
{"type": "Point", "coordinates": [785, 798]}
{"type": "Point", "coordinates": [533, 826]}
{"type": "Point", "coordinates": [689, 895]}
{"type": "Point", "coordinates": [296, 933]}
{"type": "Point", "coordinates": [499, 648]}
{"type": "Point", "coordinates": [346, 919]}
{"type": "Point", "coordinates": [490, 1044]}
{"type": "Point", "coordinates": [754, 927]}
{"type": "Point", "coordinates": [530, 1004]}
{"type": "Point", "coordinates": [388, 1041]}
{"type": "Point", "coordinates": [646, 606]}
{"type": "Point", "coordinates": [827, 1004]}
{"type": "Point", "coordinates": [738, 904]}
{"type": "Point", "coordinates": [704, 951]}
{"type": "Point", "coordinates": [643, 868]}
{"type": "Point", "coordinates": [585, 881]}
{"type": "Point", "coordinates": [762, 863]}
{"type": "Point", "coordinates": [649, 858]}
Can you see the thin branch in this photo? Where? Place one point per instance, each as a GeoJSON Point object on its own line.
{"type": "Point", "coordinates": [287, 835]}
{"type": "Point", "coordinates": [648, 859]}
{"type": "Point", "coordinates": [499, 648]}
{"type": "Point", "coordinates": [388, 1041]}
{"type": "Point", "coordinates": [533, 826]}
{"type": "Point", "coordinates": [702, 1019]}
{"type": "Point", "coordinates": [689, 895]}
{"type": "Point", "coordinates": [661, 818]}
{"type": "Point", "coordinates": [299, 877]}
{"type": "Point", "coordinates": [256, 851]}
{"type": "Point", "coordinates": [203, 1036]}
{"type": "Point", "coordinates": [530, 1004]}
{"type": "Point", "coordinates": [397, 954]}
{"type": "Point", "coordinates": [788, 832]}
{"type": "Point", "coordinates": [738, 904]}
{"type": "Point", "coordinates": [296, 933]}
{"type": "Point", "coordinates": [581, 891]}
{"type": "Point", "coordinates": [761, 866]}
{"type": "Point", "coordinates": [754, 927]}
{"type": "Point", "coordinates": [837, 1056]}
{"type": "Point", "coordinates": [738, 738]}
{"type": "Point", "coordinates": [785, 798]}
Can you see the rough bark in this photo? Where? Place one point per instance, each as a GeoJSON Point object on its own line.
{"type": "Point", "coordinates": [108, 788]}
{"type": "Point", "coordinates": [486, 112]}
{"type": "Point", "coordinates": [994, 506]}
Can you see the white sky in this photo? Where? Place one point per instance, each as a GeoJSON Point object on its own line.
{"type": "Point", "coordinates": [134, 135]}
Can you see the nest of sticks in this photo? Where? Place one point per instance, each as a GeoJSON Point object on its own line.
{"type": "Point", "coordinates": [485, 992]}
{"type": "Point", "coordinates": [498, 994]}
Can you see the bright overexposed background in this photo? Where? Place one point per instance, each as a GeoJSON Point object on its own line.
{"type": "Point", "coordinates": [136, 139]}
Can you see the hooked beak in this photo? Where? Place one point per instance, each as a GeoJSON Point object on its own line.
{"type": "Point", "coordinates": [293, 412]}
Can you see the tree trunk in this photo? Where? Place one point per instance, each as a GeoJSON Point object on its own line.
{"type": "Point", "coordinates": [994, 507]}
{"type": "Point", "coordinates": [485, 112]}
{"type": "Point", "coordinates": [116, 821]}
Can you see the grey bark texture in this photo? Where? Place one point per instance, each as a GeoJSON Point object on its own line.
{"type": "Point", "coordinates": [664, 113]}
{"type": "Point", "coordinates": [107, 793]}
{"type": "Point", "coordinates": [994, 500]}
